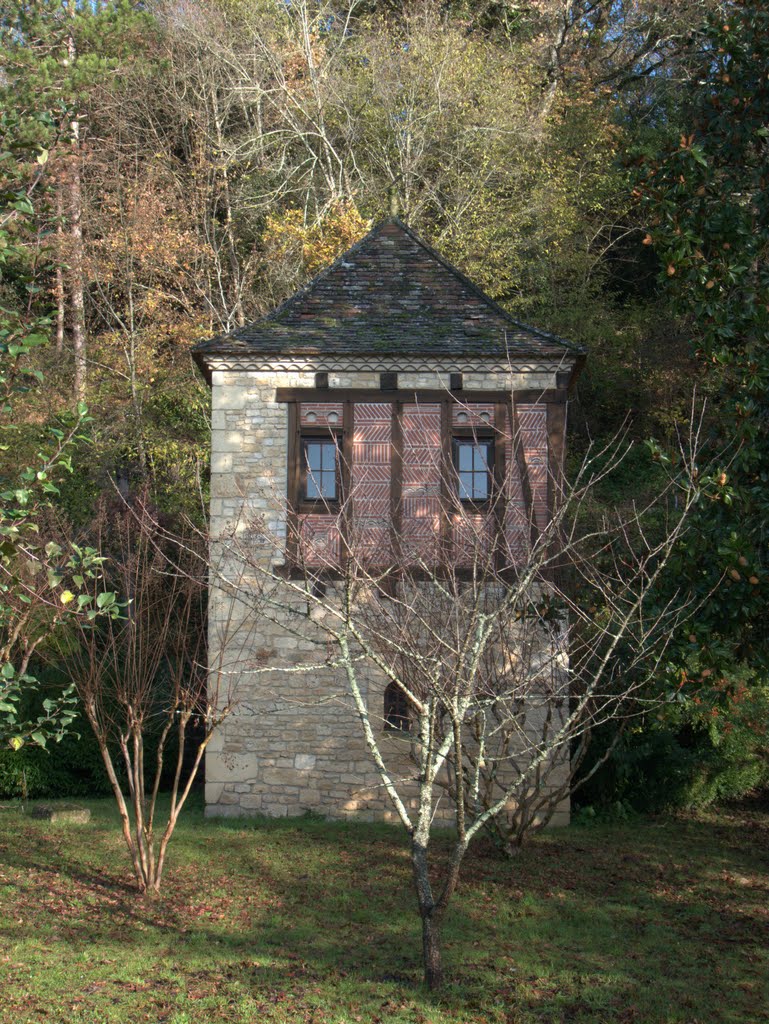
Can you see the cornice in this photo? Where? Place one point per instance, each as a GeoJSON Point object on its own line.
{"type": "Point", "coordinates": [369, 364]}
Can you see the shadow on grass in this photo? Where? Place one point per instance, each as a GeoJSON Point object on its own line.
{"type": "Point", "coordinates": [633, 924]}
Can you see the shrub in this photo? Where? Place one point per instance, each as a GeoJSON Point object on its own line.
{"type": "Point", "coordinates": [70, 768]}
{"type": "Point", "coordinates": [675, 762]}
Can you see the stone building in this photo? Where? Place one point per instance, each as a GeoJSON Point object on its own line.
{"type": "Point", "coordinates": [394, 366]}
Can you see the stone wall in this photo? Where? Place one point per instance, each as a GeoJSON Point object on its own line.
{"type": "Point", "coordinates": [294, 742]}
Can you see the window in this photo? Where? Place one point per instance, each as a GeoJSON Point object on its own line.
{"type": "Point", "coordinates": [474, 465]}
{"type": "Point", "coordinates": [320, 464]}
{"type": "Point", "coordinates": [396, 710]}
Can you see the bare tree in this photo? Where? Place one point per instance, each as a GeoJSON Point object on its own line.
{"type": "Point", "coordinates": [501, 644]}
{"type": "Point", "coordinates": [143, 682]}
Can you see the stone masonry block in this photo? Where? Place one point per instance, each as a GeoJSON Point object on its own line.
{"type": "Point", "coordinates": [231, 768]}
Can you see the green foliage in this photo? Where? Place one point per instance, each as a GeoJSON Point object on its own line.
{"type": "Point", "coordinates": [54, 53]}
{"type": "Point", "coordinates": [43, 578]}
{"type": "Point", "coordinates": [52, 723]}
{"type": "Point", "coordinates": [73, 768]}
{"type": "Point", "coordinates": [640, 371]}
{"type": "Point", "coordinates": [684, 757]}
{"type": "Point", "coordinates": [707, 206]}
{"type": "Point", "coordinates": [73, 765]}
{"type": "Point", "coordinates": [166, 452]}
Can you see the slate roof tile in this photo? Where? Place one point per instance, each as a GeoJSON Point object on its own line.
{"type": "Point", "coordinates": [390, 294]}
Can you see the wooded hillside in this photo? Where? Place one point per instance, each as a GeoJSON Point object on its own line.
{"type": "Point", "coordinates": [169, 171]}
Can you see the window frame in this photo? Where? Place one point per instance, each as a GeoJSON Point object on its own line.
{"type": "Point", "coordinates": [320, 504]}
{"type": "Point", "coordinates": [471, 435]}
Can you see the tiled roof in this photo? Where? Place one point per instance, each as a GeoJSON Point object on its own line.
{"type": "Point", "coordinates": [390, 294]}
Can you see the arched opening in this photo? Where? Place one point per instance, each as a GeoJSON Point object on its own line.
{"type": "Point", "coordinates": [397, 717]}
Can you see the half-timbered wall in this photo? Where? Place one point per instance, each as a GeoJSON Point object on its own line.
{"type": "Point", "coordinates": [295, 742]}
{"type": "Point", "coordinates": [398, 482]}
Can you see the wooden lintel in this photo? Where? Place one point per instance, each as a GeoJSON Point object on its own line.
{"type": "Point", "coordinates": [547, 395]}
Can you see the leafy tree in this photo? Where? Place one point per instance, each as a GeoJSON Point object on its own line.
{"type": "Point", "coordinates": [53, 54]}
{"type": "Point", "coordinates": [707, 202]}
{"type": "Point", "coordinates": [42, 576]}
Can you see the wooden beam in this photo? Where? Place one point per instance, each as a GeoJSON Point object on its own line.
{"type": "Point", "coordinates": [294, 483]}
{"type": "Point", "coordinates": [546, 395]}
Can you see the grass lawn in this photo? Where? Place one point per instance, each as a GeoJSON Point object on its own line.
{"type": "Point", "coordinates": [304, 921]}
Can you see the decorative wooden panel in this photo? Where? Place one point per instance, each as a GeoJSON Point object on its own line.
{"type": "Point", "coordinates": [522, 470]}
{"type": "Point", "coordinates": [421, 488]}
{"type": "Point", "coordinates": [516, 527]}
{"type": "Point", "coordinates": [532, 420]}
{"type": "Point", "coordinates": [472, 538]}
{"type": "Point", "coordinates": [319, 540]}
{"type": "Point", "coordinates": [321, 414]}
{"type": "Point", "coordinates": [474, 414]}
{"type": "Point", "coordinates": [371, 481]}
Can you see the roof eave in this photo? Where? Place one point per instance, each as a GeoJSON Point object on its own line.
{"type": "Point", "coordinates": [199, 358]}
{"type": "Point", "coordinates": [203, 359]}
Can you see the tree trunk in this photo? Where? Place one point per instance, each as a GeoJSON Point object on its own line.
{"type": "Point", "coordinates": [76, 256]}
{"type": "Point", "coordinates": [431, 951]}
{"type": "Point", "coordinates": [237, 294]}
{"type": "Point", "coordinates": [76, 275]}
{"type": "Point", "coordinates": [59, 272]}
{"type": "Point", "coordinates": [430, 914]}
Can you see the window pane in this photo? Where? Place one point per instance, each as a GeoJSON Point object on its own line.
{"type": "Point", "coordinates": [320, 464]}
{"type": "Point", "coordinates": [328, 484]}
{"type": "Point", "coordinates": [465, 456]}
{"type": "Point", "coordinates": [473, 464]}
{"type": "Point", "coordinates": [480, 486]}
{"type": "Point", "coordinates": [482, 456]}
{"type": "Point", "coordinates": [331, 454]}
